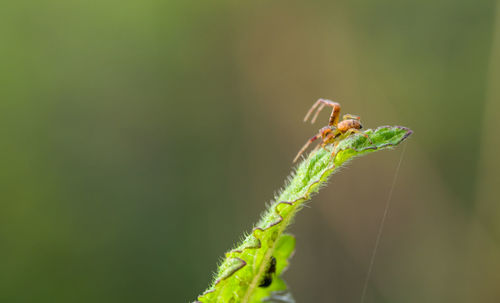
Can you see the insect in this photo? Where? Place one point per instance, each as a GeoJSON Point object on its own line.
{"type": "Point", "coordinates": [268, 276]}
{"type": "Point", "coordinates": [335, 131]}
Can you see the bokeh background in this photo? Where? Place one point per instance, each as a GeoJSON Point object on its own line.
{"type": "Point", "coordinates": [140, 139]}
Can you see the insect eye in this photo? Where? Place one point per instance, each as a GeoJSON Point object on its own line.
{"type": "Point", "coordinates": [360, 126]}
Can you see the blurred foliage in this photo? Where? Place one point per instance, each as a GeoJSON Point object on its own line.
{"type": "Point", "coordinates": [103, 103]}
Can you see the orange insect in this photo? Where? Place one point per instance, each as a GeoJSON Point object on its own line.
{"type": "Point", "coordinates": [335, 131]}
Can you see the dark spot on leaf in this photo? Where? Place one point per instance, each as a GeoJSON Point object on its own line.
{"type": "Point", "coordinates": [268, 276]}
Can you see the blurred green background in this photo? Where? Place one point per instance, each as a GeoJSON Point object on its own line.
{"type": "Point", "coordinates": [140, 139]}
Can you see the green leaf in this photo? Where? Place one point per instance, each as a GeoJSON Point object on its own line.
{"type": "Point", "coordinates": [284, 249]}
{"type": "Point", "coordinates": [244, 275]}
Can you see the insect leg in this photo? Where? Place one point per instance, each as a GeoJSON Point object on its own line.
{"type": "Point", "coordinates": [327, 140]}
{"type": "Point", "coordinates": [334, 150]}
{"type": "Point", "coordinates": [349, 116]}
{"type": "Point", "coordinates": [306, 146]}
{"type": "Point", "coordinates": [334, 117]}
{"type": "Point", "coordinates": [353, 130]}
